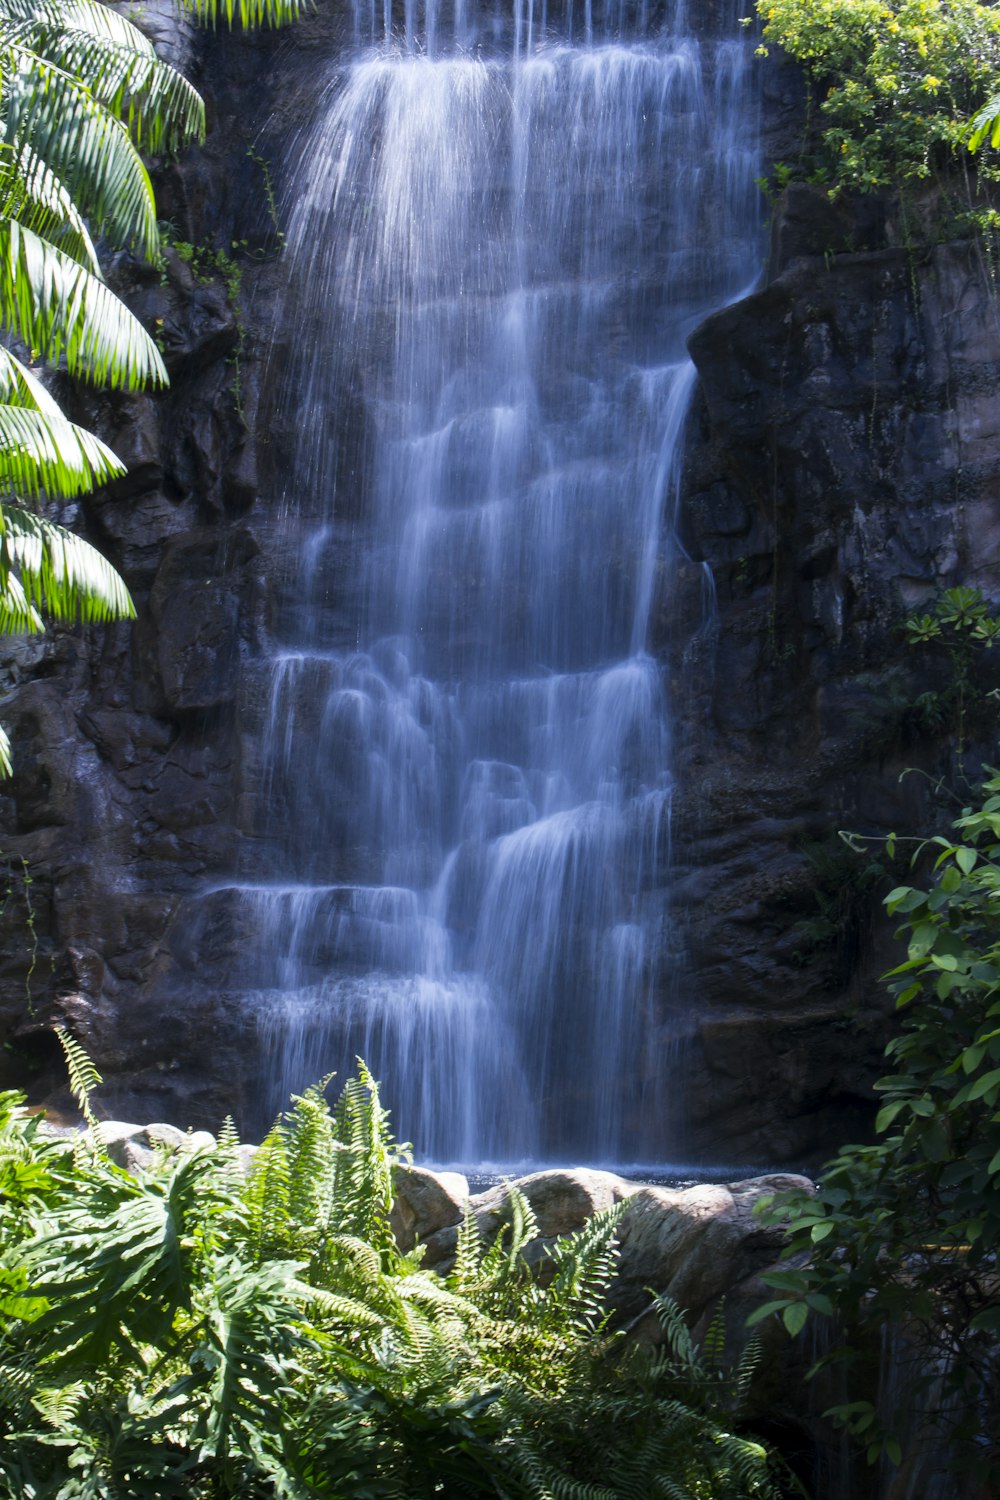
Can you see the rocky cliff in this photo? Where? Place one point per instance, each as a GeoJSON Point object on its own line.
{"type": "Point", "coordinates": [843, 463]}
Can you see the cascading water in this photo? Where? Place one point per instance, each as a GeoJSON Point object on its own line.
{"type": "Point", "coordinates": [501, 233]}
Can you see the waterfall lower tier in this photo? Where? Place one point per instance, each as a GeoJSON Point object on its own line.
{"type": "Point", "coordinates": [460, 832]}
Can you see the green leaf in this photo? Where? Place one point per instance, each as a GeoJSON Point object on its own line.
{"type": "Point", "coordinates": [985, 124]}
{"type": "Point", "coordinates": [820, 1303]}
{"type": "Point", "coordinates": [888, 1113]}
{"type": "Point", "coordinates": [61, 573]}
{"type": "Point", "coordinates": [966, 859]}
{"type": "Point", "coordinates": [983, 1086]}
{"type": "Point", "coordinates": [765, 1311]}
{"type": "Point", "coordinates": [794, 1318]}
{"type": "Point", "coordinates": [904, 898]}
{"type": "Point", "coordinates": [59, 308]}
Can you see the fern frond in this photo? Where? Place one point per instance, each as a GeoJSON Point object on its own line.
{"type": "Point", "coordinates": [60, 1405]}
{"type": "Point", "coordinates": [584, 1264]}
{"type": "Point", "coordinates": [713, 1345]}
{"type": "Point", "coordinates": [362, 1181]}
{"type": "Point", "coordinates": [83, 1076]}
{"type": "Point", "coordinates": [468, 1252]}
{"type": "Point", "coordinates": [266, 1194]}
{"type": "Point", "coordinates": [503, 1262]}
{"type": "Point", "coordinates": [678, 1336]}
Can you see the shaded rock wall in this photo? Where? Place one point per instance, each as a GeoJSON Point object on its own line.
{"type": "Point", "coordinates": [844, 465]}
{"type": "Point", "coordinates": [844, 459]}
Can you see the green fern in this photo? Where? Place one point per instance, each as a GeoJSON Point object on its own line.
{"type": "Point", "coordinates": [83, 1076]}
{"type": "Point", "coordinates": [188, 1335]}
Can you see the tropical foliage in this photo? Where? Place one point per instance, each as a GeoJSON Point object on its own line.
{"type": "Point", "coordinates": [900, 1241]}
{"type": "Point", "coordinates": [187, 1331]}
{"type": "Point", "coordinates": [894, 82]}
{"type": "Point", "coordinates": [82, 93]}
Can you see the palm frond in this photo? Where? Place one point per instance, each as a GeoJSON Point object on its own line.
{"type": "Point", "coordinates": [57, 307]}
{"type": "Point", "coordinates": [18, 616]}
{"type": "Point", "coordinates": [32, 193]}
{"type": "Point", "coordinates": [119, 65]}
{"type": "Point", "coordinates": [81, 140]}
{"type": "Point", "coordinates": [62, 574]}
{"type": "Point", "coordinates": [985, 125]}
{"type": "Point", "coordinates": [55, 457]}
{"type": "Point", "coordinates": [39, 448]}
{"type": "Point", "coordinates": [249, 13]}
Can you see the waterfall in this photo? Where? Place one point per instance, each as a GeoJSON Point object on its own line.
{"type": "Point", "coordinates": [501, 231]}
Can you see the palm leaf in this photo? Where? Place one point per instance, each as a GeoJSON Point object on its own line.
{"type": "Point", "coordinates": [985, 124]}
{"type": "Point", "coordinates": [18, 616]}
{"type": "Point", "coordinates": [32, 193]}
{"type": "Point", "coordinates": [58, 117]}
{"type": "Point", "coordinates": [59, 308]}
{"type": "Point", "coordinates": [39, 449]}
{"type": "Point", "coordinates": [60, 572]}
{"type": "Point", "coordinates": [60, 459]}
{"type": "Point", "coordinates": [118, 65]}
{"type": "Point", "coordinates": [249, 13]}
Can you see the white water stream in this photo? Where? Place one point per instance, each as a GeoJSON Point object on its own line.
{"type": "Point", "coordinates": [502, 230]}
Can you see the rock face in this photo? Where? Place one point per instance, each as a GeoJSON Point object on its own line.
{"type": "Point", "coordinates": [843, 463]}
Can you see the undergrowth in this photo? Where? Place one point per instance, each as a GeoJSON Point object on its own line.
{"type": "Point", "coordinates": [190, 1331]}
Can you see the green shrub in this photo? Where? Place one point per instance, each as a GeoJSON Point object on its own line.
{"type": "Point", "coordinates": [901, 1237]}
{"type": "Point", "coordinates": [184, 1331]}
{"type": "Point", "coordinates": [895, 82]}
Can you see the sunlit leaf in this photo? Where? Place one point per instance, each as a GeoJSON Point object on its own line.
{"type": "Point", "coordinates": [59, 308]}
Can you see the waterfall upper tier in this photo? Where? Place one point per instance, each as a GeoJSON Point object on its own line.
{"type": "Point", "coordinates": [500, 233]}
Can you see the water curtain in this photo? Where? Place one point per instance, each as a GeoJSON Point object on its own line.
{"type": "Point", "coordinates": [501, 231]}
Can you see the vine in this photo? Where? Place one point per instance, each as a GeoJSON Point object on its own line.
{"type": "Point", "coordinates": [208, 264]}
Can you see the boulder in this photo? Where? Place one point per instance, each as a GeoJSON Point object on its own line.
{"type": "Point", "coordinates": [425, 1203]}
{"type": "Point", "coordinates": [561, 1201]}
{"type": "Point", "coordinates": [694, 1244]}
{"type": "Point", "coordinates": [134, 1146]}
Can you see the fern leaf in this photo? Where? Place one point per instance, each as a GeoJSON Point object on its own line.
{"type": "Point", "coordinates": [83, 1076]}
